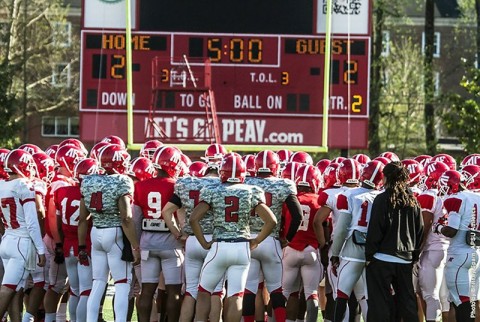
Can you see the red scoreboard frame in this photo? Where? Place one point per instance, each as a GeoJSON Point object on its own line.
{"type": "Point", "coordinates": [268, 87]}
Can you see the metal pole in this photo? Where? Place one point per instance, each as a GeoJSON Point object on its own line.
{"type": "Point", "coordinates": [128, 39]}
{"type": "Point", "coordinates": [25, 123]}
{"type": "Point", "coordinates": [326, 73]}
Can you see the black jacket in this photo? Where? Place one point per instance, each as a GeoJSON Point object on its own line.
{"type": "Point", "coordinates": [394, 231]}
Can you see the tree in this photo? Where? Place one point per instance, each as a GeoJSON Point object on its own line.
{"type": "Point", "coordinates": [38, 58]}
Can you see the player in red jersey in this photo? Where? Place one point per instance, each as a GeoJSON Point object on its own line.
{"type": "Point", "coordinates": [301, 259]}
{"type": "Point", "coordinates": [161, 251]}
{"type": "Point", "coordinates": [67, 202]}
{"type": "Point", "coordinates": [66, 157]}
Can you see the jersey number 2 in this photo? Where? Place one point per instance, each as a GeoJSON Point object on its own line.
{"type": "Point", "coordinates": [231, 209]}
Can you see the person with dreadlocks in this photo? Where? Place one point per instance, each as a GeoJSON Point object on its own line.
{"type": "Point", "coordinates": [394, 237]}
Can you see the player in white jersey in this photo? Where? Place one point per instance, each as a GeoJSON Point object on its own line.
{"type": "Point", "coordinates": [347, 174]}
{"type": "Point", "coordinates": [231, 203]}
{"type": "Point", "coordinates": [348, 247]}
{"type": "Point", "coordinates": [114, 242]}
{"type": "Point", "coordinates": [186, 196]}
{"type": "Point", "coordinates": [462, 271]}
{"type": "Point", "coordinates": [268, 256]}
{"type": "Point", "coordinates": [22, 240]}
{"type": "Point", "coordinates": [434, 248]}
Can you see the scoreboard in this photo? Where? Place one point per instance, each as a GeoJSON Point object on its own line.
{"type": "Point", "coordinates": [267, 71]}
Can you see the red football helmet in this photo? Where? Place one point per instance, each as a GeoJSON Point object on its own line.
{"type": "Point", "coordinates": [471, 175]}
{"type": "Point", "coordinates": [30, 148]}
{"type": "Point", "coordinates": [74, 142]}
{"type": "Point", "coordinates": [45, 166]}
{"type": "Point", "coordinates": [185, 164]}
{"type": "Point", "coordinates": [447, 159]}
{"type": "Point", "coordinates": [423, 159]}
{"type": "Point", "coordinates": [197, 169]}
{"type": "Point", "coordinates": [142, 168]}
{"type": "Point", "coordinates": [85, 167]}
{"type": "Point", "coordinates": [330, 175]}
{"type": "Point", "coordinates": [113, 139]}
{"type": "Point", "coordinates": [433, 170]}
{"type": "Point", "coordinates": [51, 151]}
{"type": "Point", "coordinates": [415, 170]}
{"type": "Point", "coordinates": [232, 169]}
{"type": "Point", "coordinates": [338, 160]}
{"type": "Point", "coordinates": [323, 164]}
{"type": "Point", "coordinates": [96, 149]}
{"type": "Point", "coordinates": [471, 159]}
{"type": "Point", "coordinates": [372, 174]}
{"type": "Point", "coordinates": [267, 162]}
{"type": "Point", "coordinates": [361, 158]}
{"type": "Point", "coordinates": [149, 148]}
{"type": "Point", "coordinates": [169, 160]}
{"type": "Point", "coordinates": [384, 160]}
{"type": "Point", "coordinates": [290, 170]}
{"type": "Point", "coordinates": [284, 156]}
{"type": "Point", "coordinates": [214, 154]}
{"type": "Point", "coordinates": [20, 162]}
{"type": "Point", "coordinates": [301, 157]}
{"type": "Point", "coordinates": [249, 160]}
{"type": "Point", "coordinates": [390, 156]}
{"type": "Point", "coordinates": [309, 176]}
{"type": "Point", "coordinates": [3, 155]}
{"type": "Point", "coordinates": [349, 171]}
{"type": "Point", "coordinates": [113, 159]}
{"type": "Point", "coordinates": [68, 156]}
{"type": "Point", "coordinates": [449, 182]}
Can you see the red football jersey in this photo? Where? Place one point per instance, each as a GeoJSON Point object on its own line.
{"type": "Point", "coordinates": [57, 182]}
{"type": "Point", "coordinates": [67, 204]}
{"type": "Point", "coordinates": [152, 195]}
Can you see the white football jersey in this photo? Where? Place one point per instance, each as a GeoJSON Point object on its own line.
{"type": "Point", "coordinates": [431, 202]}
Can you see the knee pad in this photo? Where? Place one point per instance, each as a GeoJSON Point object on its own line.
{"type": "Point", "coordinates": [277, 299]}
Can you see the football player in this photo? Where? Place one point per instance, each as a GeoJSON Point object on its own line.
{"type": "Point", "coordinates": [161, 251]}
{"type": "Point", "coordinates": [186, 196]}
{"type": "Point", "coordinates": [434, 249]}
{"type": "Point", "coordinates": [348, 246]}
{"type": "Point", "coordinates": [22, 247]}
{"type": "Point", "coordinates": [268, 256]}
{"type": "Point", "coordinates": [67, 201]}
{"type": "Point", "coordinates": [462, 270]}
{"type": "Point", "coordinates": [231, 203]}
{"type": "Point", "coordinates": [301, 258]}
{"type": "Point", "coordinates": [114, 242]}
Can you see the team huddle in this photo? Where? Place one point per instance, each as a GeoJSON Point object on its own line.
{"type": "Point", "coordinates": [231, 237]}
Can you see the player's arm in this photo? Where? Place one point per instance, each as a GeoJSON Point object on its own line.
{"type": "Point", "coordinates": [33, 228]}
{"type": "Point", "coordinates": [128, 225]}
{"type": "Point", "coordinates": [197, 214]}
{"type": "Point", "coordinates": [137, 214]}
{"type": "Point", "coordinates": [269, 223]}
{"type": "Point", "coordinates": [452, 206]}
{"type": "Point", "coordinates": [319, 231]}
{"type": "Point", "coordinates": [40, 212]}
{"type": "Point", "coordinates": [295, 210]}
{"type": "Point", "coordinates": [340, 232]}
{"type": "Point", "coordinates": [52, 220]}
{"type": "Point", "coordinates": [83, 223]}
{"type": "Point", "coordinates": [167, 214]}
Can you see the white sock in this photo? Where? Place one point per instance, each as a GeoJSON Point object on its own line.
{"type": "Point", "coordinates": [93, 306]}
{"type": "Point", "coordinates": [121, 301]}
{"type": "Point", "coordinates": [62, 313]}
{"type": "Point", "coordinates": [50, 317]}
{"type": "Point", "coordinates": [82, 309]}
{"type": "Point", "coordinates": [72, 307]}
{"type": "Point", "coordinates": [27, 317]}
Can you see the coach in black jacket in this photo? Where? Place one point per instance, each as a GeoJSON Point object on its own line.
{"type": "Point", "coordinates": [394, 237]}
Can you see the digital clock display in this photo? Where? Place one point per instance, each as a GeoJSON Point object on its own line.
{"type": "Point", "coordinates": [266, 69]}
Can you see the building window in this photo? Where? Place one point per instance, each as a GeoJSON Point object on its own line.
{"type": "Point", "coordinates": [61, 126]}
{"type": "Point", "coordinates": [61, 75]}
{"type": "Point", "coordinates": [436, 44]}
{"type": "Point", "coordinates": [62, 33]}
{"type": "Point", "coordinates": [386, 43]}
